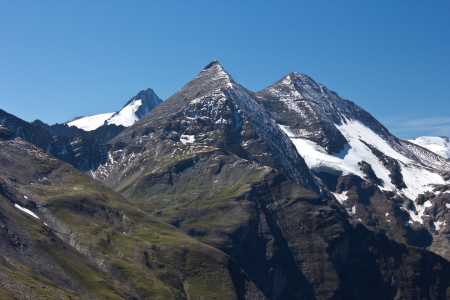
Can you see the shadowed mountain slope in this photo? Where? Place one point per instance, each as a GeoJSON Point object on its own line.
{"type": "Point", "coordinates": [103, 133]}
{"type": "Point", "coordinates": [83, 153]}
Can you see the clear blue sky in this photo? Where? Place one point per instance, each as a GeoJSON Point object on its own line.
{"type": "Point", "coordinates": [62, 59]}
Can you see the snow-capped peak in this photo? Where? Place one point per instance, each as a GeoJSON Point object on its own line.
{"type": "Point", "coordinates": [134, 109]}
{"type": "Point", "coordinates": [127, 116]}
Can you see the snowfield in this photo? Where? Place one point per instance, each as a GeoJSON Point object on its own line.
{"type": "Point", "coordinates": [438, 145]}
{"type": "Point", "coordinates": [91, 122]}
{"type": "Point", "coordinates": [417, 179]}
{"type": "Point", "coordinates": [127, 116]}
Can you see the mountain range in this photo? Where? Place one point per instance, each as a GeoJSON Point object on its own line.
{"type": "Point", "coordinates": [218, 192]}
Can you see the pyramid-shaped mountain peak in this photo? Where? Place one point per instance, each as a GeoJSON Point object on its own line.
{"type": "Point", "coordinates": [299, 77]}
{"type": "Point", "coordinates": [212, 64]}
{"type": "Point", "coordinates": [214, 71]}
{"type": "Point", "coordinates": [212, 78]}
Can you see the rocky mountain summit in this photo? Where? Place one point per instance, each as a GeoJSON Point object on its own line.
{"type": "Point", "coordinates": [221, 193]}
{"type": "Point", "coordinates": [213, 110]}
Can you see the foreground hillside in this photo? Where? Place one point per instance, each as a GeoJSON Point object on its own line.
{"type": "Point", "coordinates": [66, 236]}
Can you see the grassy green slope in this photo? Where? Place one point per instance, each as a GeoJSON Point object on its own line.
{"type": "Point", "coordinates": [130, 254]}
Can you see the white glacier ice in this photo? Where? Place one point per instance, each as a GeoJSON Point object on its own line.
{"type": "Point", "coordinates": [91, 122]}
{"type": "Point", "coordinates": [438, 145]}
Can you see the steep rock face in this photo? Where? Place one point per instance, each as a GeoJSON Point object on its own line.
{"type": "Point", "coordinates": [30, 132]}
{"type": "Point", "coordinates": [291, 243]}
{"type": "Point", "coordinates": [103, 133]}
{"type": "Point", "coordinates": [65, 235]}
{"type": "Point", "coordinates": [83, 153]}
{"type": "Point", "coordinates": [340, 142]}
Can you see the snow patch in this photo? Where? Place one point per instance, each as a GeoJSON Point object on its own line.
{"type": "Point", "coordinates": [187, 139]}
{"type": "Point", "coordinates": [25, 210]}
{"type": "Point", "coordinates": [416, 215]}
{"type": "Point", "coordinates": [438, 224]}
{"type": "Point", "coordinates": [341, 197]}
{"type": "Point", "coordinates": [417, 179]}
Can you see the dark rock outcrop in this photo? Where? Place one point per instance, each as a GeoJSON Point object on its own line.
{"type": "Point", "coordinates": [103, 134]}
{"type": "Point", "coordinates": [85, 154]}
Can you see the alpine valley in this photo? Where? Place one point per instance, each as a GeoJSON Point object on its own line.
{"type": "Point", "coordinates": [220, 193]}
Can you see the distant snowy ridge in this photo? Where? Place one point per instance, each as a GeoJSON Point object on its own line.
{"type": "Point", "coordinates": [91, 122]}
{"type": "Point", "coordinates": [133, 110]}
{"type": "Point", "coordinates": [438, 145]}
